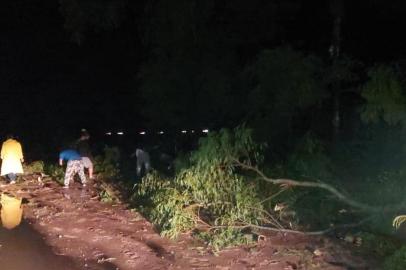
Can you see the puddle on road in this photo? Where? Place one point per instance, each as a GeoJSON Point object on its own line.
{"type": "Point", "coordinates": [22, 248]}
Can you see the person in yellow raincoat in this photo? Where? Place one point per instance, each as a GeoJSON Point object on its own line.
{"type": "Point", "coordinates": [12, 158]}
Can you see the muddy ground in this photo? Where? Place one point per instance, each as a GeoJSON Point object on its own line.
{"type": "Point", "coordinates": [91, 234]}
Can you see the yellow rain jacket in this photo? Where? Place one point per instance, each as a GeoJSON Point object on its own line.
{"type": "Point", "coordinates": [11, 154]}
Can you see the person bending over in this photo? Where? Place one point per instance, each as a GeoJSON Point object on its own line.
{"type": "Point", "coordinates": [74, 166]}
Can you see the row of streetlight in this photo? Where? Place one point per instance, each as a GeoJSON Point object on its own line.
{"type": "Point", "coordinates": [161, 132]}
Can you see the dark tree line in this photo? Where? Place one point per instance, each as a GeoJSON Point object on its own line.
{"type": "Point", "coordinates": [285, 68]}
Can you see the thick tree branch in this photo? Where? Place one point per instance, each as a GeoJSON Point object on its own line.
{"type": "Point", "coordinates": [294, 183]}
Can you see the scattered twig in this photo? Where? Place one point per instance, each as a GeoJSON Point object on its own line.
{"type": "Point", "coordinates": [321, 232]}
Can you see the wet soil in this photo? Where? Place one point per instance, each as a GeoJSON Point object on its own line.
{"type": "Point", "coordinates": [23, 248]}
{"type": "Point", "coordinates": [78, 231]}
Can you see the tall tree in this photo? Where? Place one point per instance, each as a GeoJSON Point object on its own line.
{"type": "Point", "coordinates": [82, 17]}
{"type": "Point", "coordinates": [286, 84]}
{"type": "Point", "coordinates": [337, 11]}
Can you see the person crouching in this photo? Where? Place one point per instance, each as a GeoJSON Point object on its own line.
{"type": "Point", "coordinates": [74, 166]}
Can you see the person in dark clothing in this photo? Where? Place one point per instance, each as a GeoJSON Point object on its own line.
{"type": "Point", "coordinates": [83, 147]}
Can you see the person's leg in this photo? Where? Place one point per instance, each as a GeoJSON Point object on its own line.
{"type": "Point", "coordinates": [88, 165]}
{"type": "Point", "coordinates": [139, 166]}
{"type": "Point", "coordinates": [12, 177]}
{"type": "Point", "coordinates": [147, 167]}
{"type": "Point", "coordinates": [69, 173]}
{"type": "Point", "coordinates": [81, 171]}
{"type": "Point", "coordinates": [85, 163]}
{"type": "Point", "coordinates": [91, 170]}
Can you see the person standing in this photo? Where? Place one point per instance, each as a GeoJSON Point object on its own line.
{"type": "Point", "coordinates": [74, 166]}
{"type": "Point", "coordinates": [143, 161]}
{"type": "Point", "coordinates": [83, 148]}
{"type": "Point", "coordinates": [12, 158]}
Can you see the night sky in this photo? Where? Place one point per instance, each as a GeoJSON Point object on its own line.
{"type": "Point", "coordinates": [47, 81]}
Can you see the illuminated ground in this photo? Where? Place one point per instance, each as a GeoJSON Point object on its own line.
{"type": "Point", "coordinates": [95, 235]}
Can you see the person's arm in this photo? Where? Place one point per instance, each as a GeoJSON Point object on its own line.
{"type": "Point", "coordinates": [20, 150]}
{"type": "Point", "coordinates": [61, 157]}
{"type": "Point", "coordinates": [2, 152]}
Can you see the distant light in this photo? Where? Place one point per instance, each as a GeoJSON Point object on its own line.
{"type": "Point", "coordinates": [205, 131]}
{"type": "Point", "coordinates": [142, 133]}
{"type": "Point", "coordinates": [120, 133]}
{"type": "Point", "coordinates": [192, 131]}
{"type": "Point", "coordinates": [184, 131]}
{"type": "Point", "coordinates": [161, 132]}
{"type": "Point", "coordinates": [108, 133]}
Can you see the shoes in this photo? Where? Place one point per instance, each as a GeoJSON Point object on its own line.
{"type": "Point", "coordinates": [66, 187]}
{"type": "Point", "coordinates": [84, 185]}
{"type": "Point", "coordinates": [12, 182]}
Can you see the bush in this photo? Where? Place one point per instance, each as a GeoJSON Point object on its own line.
{"type": "Point", "coordinates": [309, 160]}
{"type": "Point", "coordinates": [380, 245]}
{"type": "Point", "coordinates": [56, 172]}
{"type": "Point", "coordinates": [107, 165]}
{"type": "Point", "coordinates": [397, 261]}
{"type": "Point", "coordinates": [34, 167]}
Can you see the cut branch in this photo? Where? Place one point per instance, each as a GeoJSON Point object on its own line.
{"type": "Point", "coordinates": [289, 182]}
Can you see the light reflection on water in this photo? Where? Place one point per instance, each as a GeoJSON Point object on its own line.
{"type": "Point", "coordinates": [23, 248]}
{"type": "Point", "coordinates": [11, 211]}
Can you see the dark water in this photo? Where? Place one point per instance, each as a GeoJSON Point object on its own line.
{"type": "Point", "coordinates": [24, 249]}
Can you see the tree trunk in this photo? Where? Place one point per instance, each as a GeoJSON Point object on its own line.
{"type": "Point", "coordinates": [336, 9]}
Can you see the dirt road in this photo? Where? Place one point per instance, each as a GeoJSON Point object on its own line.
{"type": "Point", "coordinates": [96, 235]}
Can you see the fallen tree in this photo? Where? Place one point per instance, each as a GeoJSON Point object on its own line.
{"type": "Point", "coordinates": [218, 198]}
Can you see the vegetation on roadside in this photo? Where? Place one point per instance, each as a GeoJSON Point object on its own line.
{"type": "Point", "coordinates": [231, 187]}
{"type": "Point", "coordinates": [107, 164]}
{"type": "Point", "coordinates": [56, 172]}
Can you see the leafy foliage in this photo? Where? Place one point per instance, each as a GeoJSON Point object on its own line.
{"type": "Point", "coordinates": [108, 164]}
{"type": "Point", "coordinates": [106, 196]}
{"type": "Point", "coordinates": [397, 261]}
{"type": "Point", "coordinates": [84, 16]}
{"type": "Point", "coordinates": [382, 246]}
{"type": "Point", "coordinates": [342, 71]}
{"type": "Point", "coordinates": [309, 160]}
{"type": "Point", "coordinates": [284, 74]}
{"type": "Point", "coordinates": [34, 167]}
{"type": "Point", "coordinates": [56, 172]}
{"type": "Point", "coordinates": [285, 83]}
{"type": "Point", "coordinates": [210, 197]}
{"type": "Point", "coordinates": [385, 97]}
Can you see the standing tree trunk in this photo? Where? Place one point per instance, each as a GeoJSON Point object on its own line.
{"type": "Point", "coordinates": [336, 9]}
